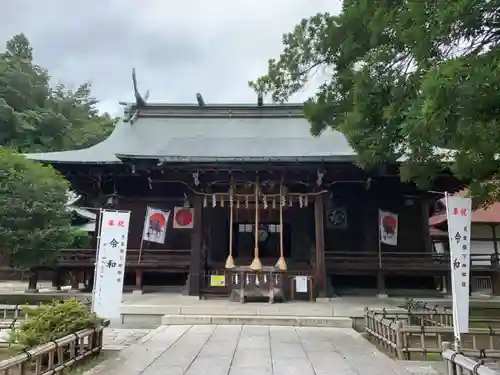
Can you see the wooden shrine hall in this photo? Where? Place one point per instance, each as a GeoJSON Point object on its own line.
{"type": "Point", "coordinates": [275, 212]}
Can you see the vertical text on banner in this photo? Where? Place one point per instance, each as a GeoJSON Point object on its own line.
{"type": "Point", "coordinates": [110, 263]}
{"type": "Point", "coordinates": [458, 211]}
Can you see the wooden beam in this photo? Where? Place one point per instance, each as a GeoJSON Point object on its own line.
{"type": "Point", "coordinates": [494, 237]}
{"type": "Point", "coordinates": [195, 276]}
{"type": "Point", "coordinates": [425, 224]}
{"type": "Point", "coordinates": [320, 270]}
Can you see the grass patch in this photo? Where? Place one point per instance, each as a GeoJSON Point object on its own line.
{"type": "Point", "coordinates": [87, 364]}
{"type": "Point", "coordinates": [433, 357]}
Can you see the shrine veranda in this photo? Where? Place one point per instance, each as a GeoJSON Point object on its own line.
{"type": "Point", "coordinates": [237, 168]}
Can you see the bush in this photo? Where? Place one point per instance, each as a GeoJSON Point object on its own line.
{"type": "Point", "coordinates": [34, 219]}
{"type": "Point", "coordinates": [51, 322]}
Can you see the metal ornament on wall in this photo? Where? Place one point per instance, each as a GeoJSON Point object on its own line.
{"type": "Point", "coordinates": [336, 217]}
{"type": "Point", "coordinates": [263, 233]}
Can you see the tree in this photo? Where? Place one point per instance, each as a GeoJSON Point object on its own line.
{"type": "Point", "coordinates": [34, 221]}
{"type": "Point", "coordinates": [413, 80]}
{"type": "Point", "coordinates": [34, 117]}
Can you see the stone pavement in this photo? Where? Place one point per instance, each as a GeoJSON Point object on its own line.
{"type": "Point", "coordinates": [251, 350]}
{"type": "Point", "coordinates": [118, 339]}
{"type": "Point", "coordinates": [424, 368]}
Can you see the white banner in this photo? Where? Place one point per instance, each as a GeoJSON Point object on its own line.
{"type": "Point", "coordinates": [110, 264]}
{"type": "Point", "coordinates": [388, 227]}
{"type": "Point", "coordinates": [155, 225]}
{"type": "Point", "coordinates": [458, 213]}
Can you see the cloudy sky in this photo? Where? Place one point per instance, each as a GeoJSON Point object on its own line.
{"type": "Point", "coordinates": [177, 47]}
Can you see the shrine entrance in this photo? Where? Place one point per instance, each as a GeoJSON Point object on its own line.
{"type": "Point", "coordinates": [269, 241]}
{"type": "Point", "coordinates": [259, 243]}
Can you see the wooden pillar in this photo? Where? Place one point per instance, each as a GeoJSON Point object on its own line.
{"type": "Point", "coordinates": [381, 283]}
{"type": "Point", "coordinates": [138, 281]}
{"type": "Point", "coordinates": [95, 234]}
{"type": "Point", "coordinates": [74, 279]}
{"type": "Point", "coordinates": [494, 237]}
{"type": "Point", "coordinates": [320, 269]}
{"type": "Point", "coordinates": [86, 280]}
{"type": "Point", "coordinates": [425, 225]}
{"type": "Point", "coordinates": [33, 281]}
{"type": "Point", "coordinates": [495, 283]}
{"type": "Point", "coordinates": [447, 279]}
{"type": "Point", "coordinates": [196, 239]}
{"type": "Point", "coordinates": [56, 278]}
{"type": "Point", "coordinates": [495, 277]}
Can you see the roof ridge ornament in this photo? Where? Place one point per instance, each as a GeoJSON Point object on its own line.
{"type": "Point", "coordinates": [140, 102]}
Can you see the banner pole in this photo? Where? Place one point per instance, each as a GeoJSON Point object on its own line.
{"type": "Point", "coordinates": [456, 327]}
{"type": "Point", "coordinates": [144, 228]}
{"type": "Point", "coordinates": [140, 251]}
{"type": "Point", "coordinates": [379, 241]}
{"type": "Point", "coordinates": [96, 264]}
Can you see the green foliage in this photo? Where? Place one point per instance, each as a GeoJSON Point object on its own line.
{"type": "Point", "coordinates": [403, 80]}
{"type": "Point", "coordinates": [51, 322]}
{"type": "Point", "coordinates": [34, 221]}
{"type": "Point", "coordinates": [35, 117]}
{"type": "Point", "coordinates": [79, 239]}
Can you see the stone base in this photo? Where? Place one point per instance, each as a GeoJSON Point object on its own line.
{"type": "Point", "coordinates": [257, 294]}
{"type": "Point", "coordinates": [323, 299]}
{"type": "Point", "coordinates": [137, 292]}
{"type": "Point", "coordinates": [382, 295]}
{"type": "Point", "coordinates": [262, 320]}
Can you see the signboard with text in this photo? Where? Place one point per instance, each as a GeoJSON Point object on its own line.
{"type": "Point", "coordinates": [110, 264]}
{"type": "Point", "coordinates": [458, 211]}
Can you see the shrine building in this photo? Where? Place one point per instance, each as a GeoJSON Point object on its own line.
{"type": "Point", "coordinates": [260, 205]}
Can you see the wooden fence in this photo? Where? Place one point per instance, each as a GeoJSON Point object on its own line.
{"type": "Point", "coordinates": [414, 335]}
{"type": "Point", "coordinates": [444, 316]}
{"type": "Point", "coordinates": [458, 364]}
{"type": "Point", "coordinates": [55, 356]}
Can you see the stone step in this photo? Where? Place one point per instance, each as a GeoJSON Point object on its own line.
{"type": "Point", "coordinates": [263, 320]}
{"type": "Point", "coordinates": [266, 309]}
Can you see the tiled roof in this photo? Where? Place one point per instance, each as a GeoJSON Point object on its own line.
{"type": "Point", "coordinates": [490, 214]}
{"type": "Point", "coordinates": [232, 133]}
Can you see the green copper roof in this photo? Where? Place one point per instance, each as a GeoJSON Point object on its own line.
{"type": "Point", "coordinates": [232, 133]}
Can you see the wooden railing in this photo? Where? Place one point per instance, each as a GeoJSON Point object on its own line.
{"type": "Point", "coordinates": [56, 356]}
{"type": "Point", "coordinates": [420, 261]}
{"type": "Point", "coordinates": [458, 364]}
{"type": "Point", "coordinates": [161, 258]}
{"type": "Point", "coordinates": [12, 316]}
{"type": "Point", "coordinates": [398, 333]}
{"type": "Point", "coordinates": [443, 316]}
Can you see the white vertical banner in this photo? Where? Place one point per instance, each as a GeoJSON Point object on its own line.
{"type": "Point", "coordinates": [458, 213]}
{"type": "Point", "coordinates": [110, 264]}
{"type": "Point", "coordinates": [388, 227]}
{"type": "Point", "coordinates": [155, 225]}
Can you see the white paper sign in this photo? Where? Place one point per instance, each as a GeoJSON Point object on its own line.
{"type": "Point", "coordinates": [110, 264]}
{"type": "Point", "coordinates": [458, 212]}
{"type": "Point", "coordinates": [301, 284]}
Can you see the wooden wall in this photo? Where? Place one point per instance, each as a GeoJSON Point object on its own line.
{"type": "Point", "coordinates": [299, 232]}
{"type": "Point", "coordinates": [362, 210]}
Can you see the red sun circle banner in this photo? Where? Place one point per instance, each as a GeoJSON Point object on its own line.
{"type": "Point", "coordinates": [183, 217]}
